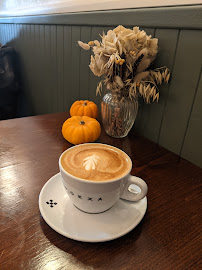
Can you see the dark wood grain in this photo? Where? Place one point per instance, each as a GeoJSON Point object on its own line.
{"type": "Point", "coordinates": [168, 237]}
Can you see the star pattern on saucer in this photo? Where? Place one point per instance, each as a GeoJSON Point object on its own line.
{"type": "Point", "coordinates": [51, 203]}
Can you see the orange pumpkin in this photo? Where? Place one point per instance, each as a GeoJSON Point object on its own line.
{"type": "Point", "coordinates": [81, 129]}
{"type": "Point", "coordinates": [84, 108]}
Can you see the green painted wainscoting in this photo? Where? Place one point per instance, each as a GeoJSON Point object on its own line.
{"type": "Point", "coordinates": [55, 70]}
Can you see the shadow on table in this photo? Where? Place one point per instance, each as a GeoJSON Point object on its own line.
{"type": "Point", "coordinates": [97, 254]}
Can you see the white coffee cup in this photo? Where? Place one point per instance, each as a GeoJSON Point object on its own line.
{"type": "Point", "coordinates": [98, 196]}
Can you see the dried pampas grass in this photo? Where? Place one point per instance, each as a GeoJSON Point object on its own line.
{"type": "Point", "coordinates": [123, 57]}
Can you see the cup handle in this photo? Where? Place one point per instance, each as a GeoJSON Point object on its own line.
{"type": "Point", "coordinates": [134, 196]}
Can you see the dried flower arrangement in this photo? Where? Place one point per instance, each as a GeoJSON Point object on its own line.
{"type": "Point", "coordinates": [123, 57]}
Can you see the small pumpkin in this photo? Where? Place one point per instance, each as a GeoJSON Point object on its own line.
{"type": "Point", "coordinates": [84, 108]}
{"type": "Point", "coordinates": [81, 129]}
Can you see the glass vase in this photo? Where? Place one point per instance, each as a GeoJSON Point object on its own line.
{"type": "Point", "coordinates": [118, 114]}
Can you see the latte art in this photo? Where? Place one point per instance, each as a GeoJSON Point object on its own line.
{"type": "Point", "coordinates": [95, 162]}
{"type": "Point", "coordinates": [91, 162]}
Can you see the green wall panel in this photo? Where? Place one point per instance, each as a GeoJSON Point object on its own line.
{"type": "Point", "coordinates": [43, 104]}
{"type": "Point", "coordinates": [48, 63]}
{"type": "Point", "coordinates": [84, 71]}
{"type": "Point", "coordinates": [60, 68]}
{"type": "Point", "coordinates": [53, 75]}
{"type": "Point", "coordinates": [183, 85]}
{"type": "Point", "coordinates": [67, 66]}
{"type": "Point", "coordinates": [32, 67]}
{"type": "Point", "coordinates": [37, 72]}
{"type": "Point", "coordinates": [153, 113]}
{"type": "Point", "coordinates": [27, 65]}
{"type": "Point", "coordinates": [192, 147]}
{"type": "Point", "coordinates": [75, 64]}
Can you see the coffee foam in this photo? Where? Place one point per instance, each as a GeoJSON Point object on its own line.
{"type": "Point", "coordinates": [95, 162]}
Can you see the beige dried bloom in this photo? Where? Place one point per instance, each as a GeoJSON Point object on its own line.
{"type": "Point", "coordinates": [96, 65]}
{"type": "Point", "coordinates": [123, 57]}
{"type": "Point", "coordinates": [83, 45]}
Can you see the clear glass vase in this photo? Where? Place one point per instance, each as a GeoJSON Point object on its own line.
{"type": "Point", "coordinates": [118, 114]}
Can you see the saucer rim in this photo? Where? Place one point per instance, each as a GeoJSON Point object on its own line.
{"type": "Point", "coordinates": [80, 239]}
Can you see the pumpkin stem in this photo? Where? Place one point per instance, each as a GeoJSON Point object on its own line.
{"type": "Point", "coordinates": [82, 122]}
{"type": "Point", "coordinates": [85, 103]}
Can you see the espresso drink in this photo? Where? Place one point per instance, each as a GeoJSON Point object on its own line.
{"type": "Point", "coordinates": [96, 162]}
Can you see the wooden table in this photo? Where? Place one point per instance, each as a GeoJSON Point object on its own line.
{"type": "Point", "coordinates": [168, 237]}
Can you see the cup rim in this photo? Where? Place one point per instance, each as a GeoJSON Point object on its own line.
{"type": "Point", "coordinates": [92, 181]}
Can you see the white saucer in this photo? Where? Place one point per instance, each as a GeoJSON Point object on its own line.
{"type": "Point", "coordinates": [62, 216]}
